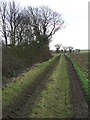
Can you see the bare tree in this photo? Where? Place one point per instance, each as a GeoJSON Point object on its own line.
{"type": "Point", "coordinates": [9, 14]}
{"type": "Point", "coordinates": [70, 49]}
{"type": "Point", "coordinates": [29, 32]}
{"type": "Point", "coordinates": [58, 47]}
{"type": "Point", "coordinates": [12, 20]}
{"type": "Point", "coordinates": [4, 21]}
{"type": "Point", "coordinates": [65, 48]}
{"type": "Point", "coordinates": [45, 22]}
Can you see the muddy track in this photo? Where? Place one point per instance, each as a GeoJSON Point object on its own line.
{"type": "Point", "coordinates": [22, 105]}
{"type": "Point", "coordinates": [78, 97]}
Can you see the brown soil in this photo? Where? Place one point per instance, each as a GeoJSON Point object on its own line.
{"type": "Point", "coordinates": [22, 105]}
{"type": "Point", "coordinates": [78, 96]}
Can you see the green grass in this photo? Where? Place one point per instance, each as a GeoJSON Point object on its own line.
{"type": "Point", "coordinates": [84, 80]}
{"type": "Point", "coordinates": [14, 89]}
{"type": "Point", "coordinates": [83, 77]}
{"type": "Point", "coordinates": [84, 51]}
{"type": "Point", "coordinates": [54, 100]}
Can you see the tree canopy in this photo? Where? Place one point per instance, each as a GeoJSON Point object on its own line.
{"type": "Point", "coordinates": [30, 24]}
{"type": "Point", "coordinates": [26, 34]}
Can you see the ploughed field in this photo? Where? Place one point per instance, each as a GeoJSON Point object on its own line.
{"type": "Point", "coordinates": [57, 88]}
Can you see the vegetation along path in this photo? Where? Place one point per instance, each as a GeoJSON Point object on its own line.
{"type": "Point", "coordinates": [55, 93]}
{"type": "Point", "coordinates": [24, 102]}
{"type": "Point", "coordinates": [54, 100]}
{"type": "Point", "coordinates": [78, 99]}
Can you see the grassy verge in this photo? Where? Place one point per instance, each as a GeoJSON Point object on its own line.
{"type": "Point", "coordinates": [84, 51]}
{"type": "Point", "coordinates": [84, 80]}
{"type": "Point", "coordinates": [14, 89]}
{"type": "Point", "coordinates": [54, 100]}
{"type": "Point", "coordinates": [83, 77]}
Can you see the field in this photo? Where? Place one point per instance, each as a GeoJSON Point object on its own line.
{"type": "Point", "coordinates": [37, 82]}
{"type": "Point", "coordinates": [57, 88]}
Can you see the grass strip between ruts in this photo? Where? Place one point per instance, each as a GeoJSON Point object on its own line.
{"type": "Point", "coordinates": [54, 100]}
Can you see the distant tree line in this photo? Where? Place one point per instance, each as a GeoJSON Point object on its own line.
{"type": "Point", "coordinates": [26, 34]}
{"type": "Point", "coordinates": [65, 49]}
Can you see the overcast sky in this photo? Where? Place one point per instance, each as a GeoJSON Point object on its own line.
{"type": "Point", "coordinates": [75, 15]}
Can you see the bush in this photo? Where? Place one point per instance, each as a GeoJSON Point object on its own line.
{"type": "Point", "coordinates": [17, 58]}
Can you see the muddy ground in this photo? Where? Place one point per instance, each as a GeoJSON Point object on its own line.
{"type": "Point", "coordinates": [78, 96]}
{"type": "Point", "coordinates": [22, 105]}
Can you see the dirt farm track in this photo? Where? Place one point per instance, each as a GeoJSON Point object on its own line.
{"type": "Point", "coordinates": [22, 105]}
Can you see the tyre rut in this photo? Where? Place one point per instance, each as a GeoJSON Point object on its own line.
{"type": "Point", "coordinates": [22, 105]}
{"type": "Point", "coordinates": [78, 97]}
